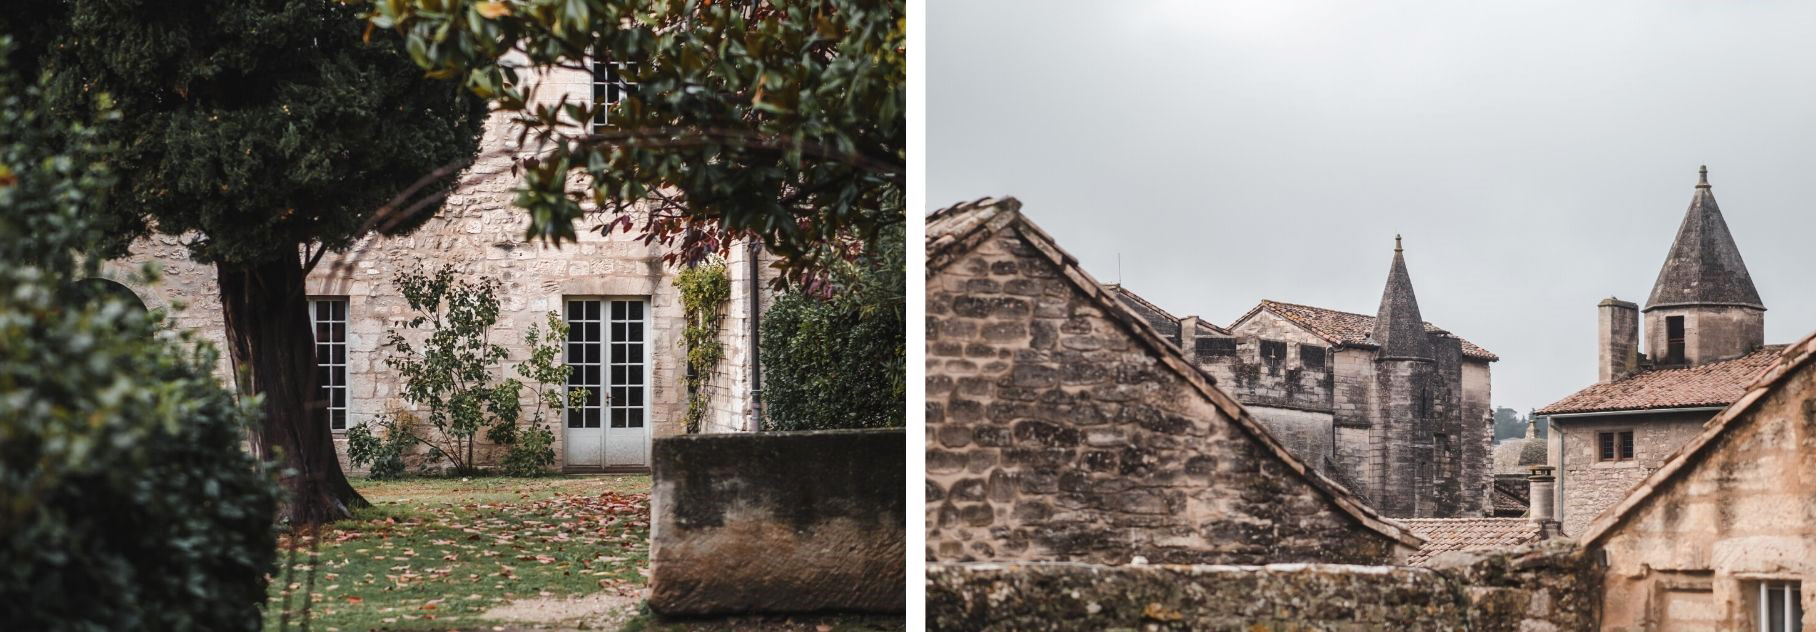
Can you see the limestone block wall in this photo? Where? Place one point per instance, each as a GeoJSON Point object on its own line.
{"type": "Point", "coordinates": [1053, 434]}
{"type": "Point", "coordinates": [1289, 384]}
{"type": "Point", "coordinates": [481, 234]}
{"type": "Point", "coordinates": [1543, 588]}
{"type": "Point", "coordinates": [1711, 333]}
{"type": "Point", "coordinates": [1694, 553]}
{"type": "Point", "coordinates": [1590, 486]}
{"type": "Point", "coordinates": [729, 391]}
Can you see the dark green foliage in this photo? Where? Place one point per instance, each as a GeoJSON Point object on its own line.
{"type": "Point", "coordinates": [704, 289]}
{"type": "Point", "coordinates": [1509, 424]}
{"type": "Point", "coordinates": [126, 501]}
{"type": "Point", "coordinates": [840, 362]}
{"type": "Point", "coordinates": [452, 373]}
{"type": "Point", "coordinates": [783, 119]}
{"type": "Point", "coordinates": [262, 125]}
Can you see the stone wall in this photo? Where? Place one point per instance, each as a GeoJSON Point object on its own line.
{"type": "Point", "coordinates": [480, 233]}
{"type": "Point", "coordinates": [779, 522]}
{"type": "Point", "coordinates": [1588, 486]}
{"type": "Point", "coordinates": [1695, 551]}
{"type": "Point", "coordinates": [1549, 588]}
{"type": "Point", "coordinates": [1054, 433]}
{"type": "Point", "coordinates": [1711, 333]}
{"type": "Point", "coordinates": [1290, 383]}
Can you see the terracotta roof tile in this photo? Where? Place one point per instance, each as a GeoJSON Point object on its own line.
{"type": "Point", "coordinates": [1161, 319]}
{"type": "Point", "coordinates": [1351, 329]}
{"type": "Point", "coordinates": [1713, 384]}
{"type": "Point", "coordinates": [1469, 534]}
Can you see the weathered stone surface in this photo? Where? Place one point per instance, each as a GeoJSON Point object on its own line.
{"type": "Point", "coordinates": [780, 522]}
{"type": "Point", "coordinates": [1094, 447]}
{"type": "Point", "coordinates": [1692, 543]}
{"type": "Point", "coordinates": [1550, 587]}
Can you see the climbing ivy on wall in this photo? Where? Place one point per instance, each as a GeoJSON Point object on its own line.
{"type": "Point", "coordinates": [704, 289]}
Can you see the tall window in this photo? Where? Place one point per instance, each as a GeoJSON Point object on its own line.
{"type": "Point", "coordinates": [611, 84]}
{"type": "Point", "coordinates": [605, 349]}
{"type": "Point", "coordinates": [328, 316]}
{"type": "Point", "coordinates": [1273, 352]}
{"type": "Point", "coordinates": [1780, 606]}
{"type": "Point", "coordinates": [1614, 446]}
{"type": "Point", "coordinates": [1674, 340]}
{"type": "Point", "coordinates": [1446, 463]}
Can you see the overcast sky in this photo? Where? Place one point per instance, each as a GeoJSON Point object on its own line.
{"type": "Point", "coordinates": [1537, 156]}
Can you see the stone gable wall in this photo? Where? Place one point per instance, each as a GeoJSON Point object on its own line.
{"type": "Point", "coordinates": [1693, 554]}
{"type": "Point", "coordinates": [1053, 434]}
{"type": "Point", "coordinates": [1590, 486]}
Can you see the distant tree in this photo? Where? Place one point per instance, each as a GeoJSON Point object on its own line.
{"type": "Point", "coordinates": [1508, 424]}
{"type": "Point", "coordinates": [783, 120]}
{"type": "Point", "coordinates": [266, 134]}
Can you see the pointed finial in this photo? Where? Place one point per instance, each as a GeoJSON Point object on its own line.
{"type": "Point", "coordinates": [1396, 243]}
{"type": "Point", "coordinates": [1702, 180]}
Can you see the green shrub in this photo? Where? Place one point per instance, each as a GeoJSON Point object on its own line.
{"type": "Point", "coordinates": [840, 361]}
{"type": "Point", "coordinates": [126, 500]}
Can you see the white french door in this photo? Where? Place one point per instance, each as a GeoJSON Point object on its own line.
{"type": "Point", "coordinates": [608, 352]}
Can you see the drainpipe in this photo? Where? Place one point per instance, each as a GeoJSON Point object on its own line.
{"type": "Point", "coordinates": [755, 303]}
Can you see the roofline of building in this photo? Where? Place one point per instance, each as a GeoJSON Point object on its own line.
{"type": "Point", "coordinates": [1337, 342]}
{"type": "Point", "coordinates": [1650, 307]}
{"type": "Point", "coordinates": [1629, 411]}
{"type": "Point", "coordinates": [1789, 360]}
{"type": "Point", "coordinates": [1170, 357]}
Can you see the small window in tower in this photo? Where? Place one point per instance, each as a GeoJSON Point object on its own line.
{"type": "Point", "coordinates": [1614, 446]}
{"type": "Point", "coordinates": [1446, 463]}
{"type": "Point", "coordinates": [1674, 340]}
{"type": "Point", "coordinates": [1311, 357]}
{"type": "Point", "coordinates": [1273, 352]}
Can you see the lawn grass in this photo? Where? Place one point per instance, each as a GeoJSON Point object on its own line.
{"type": "Point", "coordinates": [437, 553]}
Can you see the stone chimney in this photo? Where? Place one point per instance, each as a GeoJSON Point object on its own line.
{"type": "Point", "coordinates": [1539, 493]}
{"type": "Point", "coordinates": [1617, 339]}
{"type": "Point", "coordinates": [1188, 337]}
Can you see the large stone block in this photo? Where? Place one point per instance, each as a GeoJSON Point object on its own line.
{"type": "Point", "coordinates": [779, 522]}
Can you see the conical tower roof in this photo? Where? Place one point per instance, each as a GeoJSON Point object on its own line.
{"type": "Point", "coordinates": [1704, 266]}
{"type": "Point", "coordinates": [1399, 330]}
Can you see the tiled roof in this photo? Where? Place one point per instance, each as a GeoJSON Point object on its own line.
{"type": "Point", "coordinates": [1469, 534]}
{"type": "Point", "coordinates": [955, 230]}
{"type": "Point", "coordinates": [1787, 361]}
{"type": "Point", "coordinates": [1512, 496]}
{"type": "Point", "coordinates": [1349, 329]}
{"type": "Point", "coordinates": [1713, 384]}
{"type": "Point", "coordinates": [1161, 319]}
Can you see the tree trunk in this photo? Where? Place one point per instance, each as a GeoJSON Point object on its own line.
{"type": "Point", "coordinates": [273, 350]}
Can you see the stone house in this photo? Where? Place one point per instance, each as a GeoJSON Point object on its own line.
{"type": "Point", "coordinates": [616, 294]}
{"type": "Point", "coordinates": [1063, 426]}
{"type": "Point", "coordinates": [1394, 407]}
{"type": "Point", "coordinates": [1704, 343]}
{"type": "Point", "coordinates": [1720, 535]}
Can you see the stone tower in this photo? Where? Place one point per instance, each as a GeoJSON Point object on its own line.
{"type": "Point", "coordinates": [1704, 307]}
{"type": "Point", "coordinates": [1403, 397]}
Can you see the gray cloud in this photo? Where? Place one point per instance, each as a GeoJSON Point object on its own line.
{"type": "Point", "coordinates": [1537, 156]}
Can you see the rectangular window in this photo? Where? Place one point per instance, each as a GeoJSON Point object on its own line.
{"type": "Point", "coordinates": [1273, 352]}
{"type": "Point", "coordinates": [1614, 446]}
{"type": "Point", "coordinates": [328, 318]}
{"type": "Point", "coordinates": [605, 351]}
{"type": "Point", "coordinates": [1780, 606]}
{"type": "Point", "coordinates": [1674, 340]}
{"type": "Point", "coordinates": [1446, 463]}
{"type": "Point", "coordinates": [1212, 347]}
{"type": "Point", "coordinates": [612, 83]}
{"type": "Point", "coordinates": [1311, 357]}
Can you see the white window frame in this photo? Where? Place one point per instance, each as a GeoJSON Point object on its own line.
{"type": "Point", "coordinates": [1793, 605]}
{"type": "Point", "coordinates": [603, 347]}
{"type": "Point", "coordinates": [333, 369]}
{"type": "Point", "coordinates": [612, 83]}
